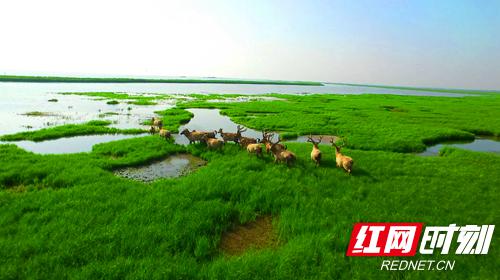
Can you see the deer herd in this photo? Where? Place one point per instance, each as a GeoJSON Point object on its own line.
{"type": "Point", "coordinates": [279, 151]}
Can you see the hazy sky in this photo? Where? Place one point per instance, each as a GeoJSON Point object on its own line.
{"type": "Point", "coordinates": [423, 43]}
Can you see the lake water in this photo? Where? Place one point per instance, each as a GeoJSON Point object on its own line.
{"type": "Point", "coordinates": [68, 145]}
{"type": "Point", "coordinates": [479, 145]}
{"type": "Point", "coordinates": [184, 88]}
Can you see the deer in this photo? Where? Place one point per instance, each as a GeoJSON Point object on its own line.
{"type": "Point", "coordinates": [212, 143]}
{"type": "Point", "coordinates": [266, 140]}
{"type": "Point", "coordinates": [315, 153]}
{"type": "Point", "coordinates": [157, 122]}
{"type": "Point", "coordinates": [281, 155]}
{"type": "Point", "coordinates": [165, 134]}
{"type": "Point", "coordinates": [245, 141]}
{"type": "Point", "coordinates": [343, 161]}
{"type": "Point", "coordinates": [226, 136]}
{"type": "Point", "coordinates": [255, 149]}
{"type": "Point", "coordinates": [193, 136]}
{"type": "Point", "coordinates": [153, 130]}
{"type": "Point", "coordinates": [209, 134]}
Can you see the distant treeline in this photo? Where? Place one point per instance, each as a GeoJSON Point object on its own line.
{"type": "Point", "coordinates": [42, 79]}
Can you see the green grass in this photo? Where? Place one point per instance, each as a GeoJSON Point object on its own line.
{"type": "Point", "coordinates": [68, 216]}
{"type": "Point", "coordinates": [107, 114]}
{"type": "Point", "coordinates": [173, 118]}
{"type": "Point", "coordinates": [89, 128]}
{"type": "Point", "coordinates": [39, 114]}
{"type": "Point", "coordinates": [370, 122]}
{"type": "Point", "coordinates": [288, 135]}
{"type": "Point", "coordinates": [44, 79]}
{"type": "Point", "coordinates": [130, 98]}
{"type": "Point", "coordinates": [142, 102]}
{"type": "Point", "coordinates": [199, 97]}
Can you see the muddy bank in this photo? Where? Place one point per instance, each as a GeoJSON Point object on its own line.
{"type": "Point", "coordinates": [258, 234]}
{"type": "Point", "coordinates": [172, 167]}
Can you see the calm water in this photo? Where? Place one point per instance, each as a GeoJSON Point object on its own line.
{"type": "Point", "coordinates": [68, 145]}
{"type": "Point", "coordinates": [478, 145]}
{"type": "Point", "coordinates": [210, 120]}
{"type": "Point", "coordinates": [69, 109]}
{"type": "Point", "coordinates": [173, 88]}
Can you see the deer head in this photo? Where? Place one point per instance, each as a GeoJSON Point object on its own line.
{"type": "Point", "coordinates": [240, 130]}
{"type": "Point", "coordinates": [315, 143]}
{"type": "Point", "coordinates": [266, 136]}
{"type": "Point", "coordinates": [337, 147]}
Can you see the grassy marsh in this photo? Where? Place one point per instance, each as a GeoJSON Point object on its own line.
{"type": "Point", "coordinates": [370, 122]}
{"type": "Point", "coordinates": [69, 216]}
{"type": "Point", "coordinates": [70, 213]}
{"type": "Point", "coordinates": [68, 130]}
{"type": "Point", "coordinates": [114, 97]}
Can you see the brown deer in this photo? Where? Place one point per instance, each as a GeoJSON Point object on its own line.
{"type": "Point", "coordinates": [245, 141]}
{"type": "Point", "coordinates": [315, 153]}
{"type": "Point", "coordinates": [193, 136]}
{"type": "Point", "coordinates": [209, 134]}
{"type": "Point", "coordinates": [266, 140]}
{"type": "Point", "coordinates": [255, 149]}
{"type": "Point", "coordinates": [226, 136]}
{"type": "Point", "coordinates": [343, 161]}
{"type": "Point", "coordinates": [153, 130]}
{"type": "Point", "coordinates": [212, 143]}
{"type": "Point", "coordinates": [281, 155]}
{"type": "Point", "coordinates": [165, 134]}
{"type": "Point", "coordinates": [157, 122]}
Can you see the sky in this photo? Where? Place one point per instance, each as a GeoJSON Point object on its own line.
{"type": "Point", "coordinates": [447, 43]}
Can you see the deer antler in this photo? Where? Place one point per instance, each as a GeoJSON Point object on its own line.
{"type": "Point", "coordinates": [274, 143]}
{"type": "Point", "coordinates": [332, 140]}
{"type": "Point", "coordinates": [311, 139]}
{"type": "Point", "coordinates": [344, 142]}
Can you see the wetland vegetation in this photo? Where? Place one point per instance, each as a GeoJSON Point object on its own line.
{"type": "Point", "coordinates": [70, 216]}
{"type": "Point", "coordinates": [370, 122]}
{"type": "Point", "coordinates": [89, 128]}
